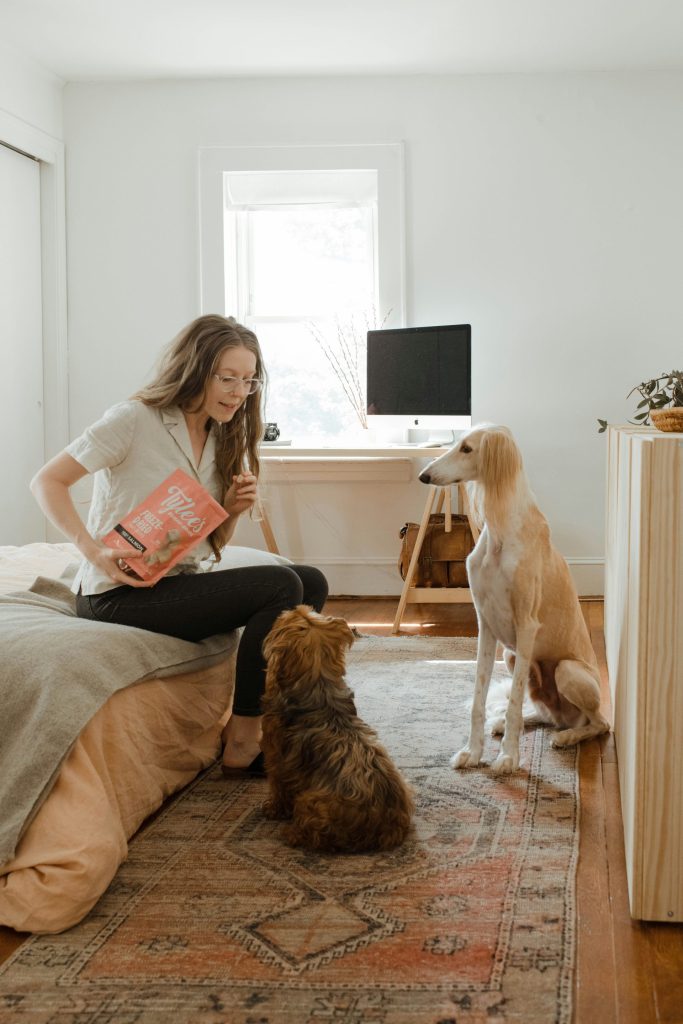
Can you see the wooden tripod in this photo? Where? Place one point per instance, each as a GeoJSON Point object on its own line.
{"type": "Point", "coordinates": [434, 595]}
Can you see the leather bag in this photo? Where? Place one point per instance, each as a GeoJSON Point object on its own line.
{"type": "Point", "coordinates": [442, 558]}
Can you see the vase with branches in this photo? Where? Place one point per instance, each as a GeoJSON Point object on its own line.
{"type": "Point", "coordinates": [343, 341]}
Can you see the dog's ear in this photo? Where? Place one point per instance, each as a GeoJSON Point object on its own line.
{"type": "Point", "coordinates": [499, 461]}
{"type": "Point", "coordinates": [304, 646]}
{"type": "Point", "coordinates": [335, 637]}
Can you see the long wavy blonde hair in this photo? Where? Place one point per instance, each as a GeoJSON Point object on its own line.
{"type": "Point", "coordinates": [183, 375]}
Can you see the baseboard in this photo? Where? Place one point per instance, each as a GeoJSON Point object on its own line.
{"type": "Point", "coordinates": [379, 577]}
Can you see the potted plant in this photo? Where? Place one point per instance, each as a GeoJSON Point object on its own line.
{"type": "Point", "coordinates": [661, 402]}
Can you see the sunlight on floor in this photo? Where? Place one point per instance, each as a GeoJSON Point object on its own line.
{"type": "Point", "coordinates": [386, 625]}
{"type": "Point", "coordinates": [451, 661]}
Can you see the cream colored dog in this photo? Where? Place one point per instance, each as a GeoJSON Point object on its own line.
{"type": "Point", "coordinates": [524, 597]}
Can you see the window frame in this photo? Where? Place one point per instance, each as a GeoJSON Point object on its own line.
{"type": "Point", "coordinates": [216, 255]}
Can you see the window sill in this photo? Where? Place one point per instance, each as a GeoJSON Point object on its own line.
{"type": "Point", "coordinates": [333, 451]}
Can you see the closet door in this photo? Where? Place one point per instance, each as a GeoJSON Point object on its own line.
{"type": "Point", "coordinates": [21, 348]}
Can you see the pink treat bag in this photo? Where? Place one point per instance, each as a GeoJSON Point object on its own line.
{"type": "Point", "coordinates": [172, 520]}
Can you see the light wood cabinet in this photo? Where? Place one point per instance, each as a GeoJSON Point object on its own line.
{"type": "Point", "coordinates": [644, 643]}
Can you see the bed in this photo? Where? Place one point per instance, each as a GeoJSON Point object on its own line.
{"type": "Point", "coordinates": [145, 742]}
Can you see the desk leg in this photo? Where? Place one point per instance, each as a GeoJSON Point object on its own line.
{"type": "Point", "coordinates": [266, 529]}
{"type": "Point", "coordinates": [464, 500]}
{"type": "Point", "coordinates": [415, 556]}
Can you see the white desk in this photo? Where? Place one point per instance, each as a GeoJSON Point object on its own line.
{"type": "Point", "coordinates": [304, 460]}
{"type": "Point", "coordinates": [397, 451]}
{"type": "Point", "coordinates": [344, 463]}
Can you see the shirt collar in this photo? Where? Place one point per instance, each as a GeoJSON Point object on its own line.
{"type": "Point", "coordinates": [174, 421]}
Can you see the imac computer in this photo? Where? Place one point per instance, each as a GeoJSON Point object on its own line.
{"type": "Point", "coordinates": [419, 383]}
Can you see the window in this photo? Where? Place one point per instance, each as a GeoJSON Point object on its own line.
{"type": "Point", "coordinates": [302, 265]}
{"type": "Point", "coordinates": [300, 271]}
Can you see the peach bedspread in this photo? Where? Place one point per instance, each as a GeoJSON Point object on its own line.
{"type": "Point", "coordinates": [145, 743]}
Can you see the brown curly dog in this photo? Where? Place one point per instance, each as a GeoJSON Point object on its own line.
{"type": "Point", "coordinates": [329, 776]}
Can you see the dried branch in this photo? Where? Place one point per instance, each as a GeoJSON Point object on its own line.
{"type": "Point", "coordinates": [346, 352]}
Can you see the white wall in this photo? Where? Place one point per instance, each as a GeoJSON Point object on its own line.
{"type": "Point", "coordinates": [31, 123]}
{"type": "Point", "coordinates": [544, 210]}
{"type": "Point", "coordinates": [30, 93]}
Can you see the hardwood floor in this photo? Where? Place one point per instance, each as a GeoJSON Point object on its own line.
{"type": "Point", "coordinates": [628, 972]}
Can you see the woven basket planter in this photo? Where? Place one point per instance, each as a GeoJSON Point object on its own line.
{"type": "Point", "coordinates": [668, 419]}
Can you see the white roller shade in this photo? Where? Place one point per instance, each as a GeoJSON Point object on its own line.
{"type": "Point", "coordinates": [249, 189]}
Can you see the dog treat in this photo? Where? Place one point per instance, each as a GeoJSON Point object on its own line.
{"type": "Point", "coordinates": [171, 521]}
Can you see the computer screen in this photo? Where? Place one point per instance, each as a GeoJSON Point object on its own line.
{"type": "Point", "coordinates": [420, 376]}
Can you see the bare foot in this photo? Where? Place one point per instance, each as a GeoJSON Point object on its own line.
{"type": "Point", "coordinates": [241, 741]}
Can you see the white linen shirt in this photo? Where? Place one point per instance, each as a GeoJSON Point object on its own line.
{"type": "Point", "coordinates": [131, 450]}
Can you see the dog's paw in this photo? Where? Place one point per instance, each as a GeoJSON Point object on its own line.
{"type": "Point", "coordinates": [268, 809]}
{"type": "Point", "coordinates": [293, 837]}
{"type": "Point", "coordinates": [496, 726]}
{"type": "Point", "coordinates": [466, 758]}
{"type": "Point", "coordinates": [564, 738]}
{"type": "Point", "coordinates": [274, 810]}
{"type": "Point", "coordinates": [505, 764]}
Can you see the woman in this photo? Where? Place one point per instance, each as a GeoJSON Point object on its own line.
{"type": "Point", "coordinates": [201, 414]}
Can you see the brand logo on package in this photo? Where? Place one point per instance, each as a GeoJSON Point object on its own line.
{"type": "Point", "coordinates": [180, 507]}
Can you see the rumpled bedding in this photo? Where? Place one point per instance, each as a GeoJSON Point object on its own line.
{"type": "Point", "coordinates": [92, 740]}
{"type": "Point", "coordinates": [148, 741]}
{"type": "Point", "coordinates": [56, 672]}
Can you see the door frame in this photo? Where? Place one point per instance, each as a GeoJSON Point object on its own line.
{"type": "Point", "coordinates": [49, 152]}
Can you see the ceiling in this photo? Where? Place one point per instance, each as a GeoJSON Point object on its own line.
{"type": "Point", "coordinates": [142, 39]}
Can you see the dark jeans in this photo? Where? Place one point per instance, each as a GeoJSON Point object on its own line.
{"type": "Point", "coordinates": [195, 606]}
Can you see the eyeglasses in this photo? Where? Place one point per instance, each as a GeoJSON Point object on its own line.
{"type": "Point", "coordinates": [252, 384]}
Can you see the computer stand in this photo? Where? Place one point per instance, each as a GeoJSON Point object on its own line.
{"type": "Point", "coordinates": [434, 595]}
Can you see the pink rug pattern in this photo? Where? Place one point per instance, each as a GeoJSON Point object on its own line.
{"type": "Point", "coordinates": [212, 919]}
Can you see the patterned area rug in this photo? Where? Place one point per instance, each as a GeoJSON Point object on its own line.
{"type": "Point", "coordinates": [214, 920]}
